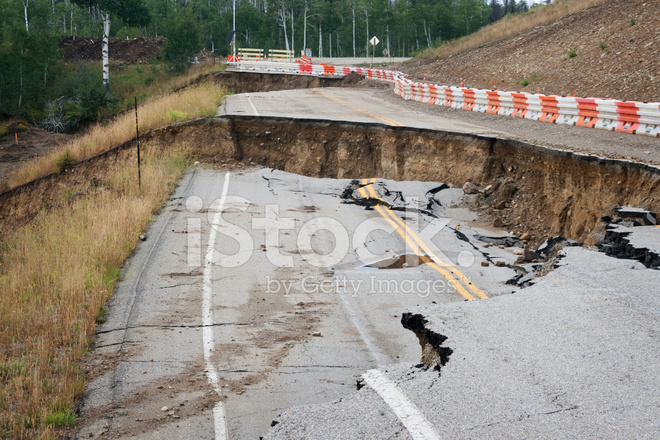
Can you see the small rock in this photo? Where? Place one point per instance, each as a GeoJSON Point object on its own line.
{"type": "Point", "coordinates": [526, 236]}
{"type": "Point", "coordinates": [485, 264]}
{"type": "Point", "coordinates": [518, 251]}
{"type": "Point", "coordinates": [530, 256]}
{"type": "Point", "coordinates": [487, 245]}
{"type": "Point", "coordinates": [143, 237]}
{"type": "Point", "coordinates": [176, 417]}
{"type": "Point", "coordinates": [196, 162]}
{"type": "Point", "coordinates": [317, 334]}
{"type": "Point", "coordinates": [501, 246]}
{"type": "Point", "coordinates": [470, 188]}
{"type": "Point", "coordinates": [501, 205]}
{"type": "Point", "coordinates": [164, 409]}
{"type": "Point", "coordinates": [498, 223]}
{"type": "Point", "coordinates": [500, 264]}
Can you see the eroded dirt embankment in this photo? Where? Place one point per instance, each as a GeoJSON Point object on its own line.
{"type": "Point", "coordinates": [525, 188]}
{"type": "Point", "coordinates": [253, 82]}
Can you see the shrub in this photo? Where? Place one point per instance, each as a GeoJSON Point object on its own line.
{"type": "Point", "coordinates": [572, 53]}
{"type": "Point", "coordinates": [64, 161]}
{"type": "Point", "coordinates": [602, 45]}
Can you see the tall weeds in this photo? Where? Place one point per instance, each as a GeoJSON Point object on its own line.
{"type": "Point", "coordinates": [57, 274]}
{"type": "Point", "coordinates": [191, 102]}
{"type": "Point", "coordinates": [55, 277]}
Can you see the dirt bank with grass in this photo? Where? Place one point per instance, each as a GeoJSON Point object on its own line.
{"type": "Point", "coordinates": [524, 188]}
{"type": "Point", "coordinates": [611, 50]}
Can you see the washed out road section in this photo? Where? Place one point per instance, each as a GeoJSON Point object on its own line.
{"type": "Point", "coordinates": [291, 323]}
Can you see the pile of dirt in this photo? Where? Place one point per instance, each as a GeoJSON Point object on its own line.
{"type": "Point", "coordinates": [131, 51]}
{"type": "Point", "coordinates": [33, 142]}
{"type": "Point", "coordinates": [615, 48]}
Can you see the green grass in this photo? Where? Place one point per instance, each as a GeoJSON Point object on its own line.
{"type": "Point", "coordinates": [61, 415]}
{"type": "Point", "coordinates": [11, 368]}
{"type": "Point", "coordinates": [64, 161]}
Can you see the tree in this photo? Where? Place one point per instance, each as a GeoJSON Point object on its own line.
{"type": "Point", "coordinates": [131, 12]}
{"type": "Point", "coordinates": [183, 40]}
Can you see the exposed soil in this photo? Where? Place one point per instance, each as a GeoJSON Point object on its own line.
{"type": "Point", "coordinates": [33, 143]}
{"type": "Point", "coordinates": [627, 68]}
{"type": "Point", "coordinates": [36, 142]}
{"type": "Point", "coordinates": [131, 51]}
{"type": "Point", "coordinates": [520, 186]}
{"type": "Point", "coordinates": [252, 82]}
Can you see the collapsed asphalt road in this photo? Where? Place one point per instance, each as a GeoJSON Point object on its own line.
{"type": "Point", "coordinates": [289, 311]}
{"type": "Point", "coordinates": [293, 311]}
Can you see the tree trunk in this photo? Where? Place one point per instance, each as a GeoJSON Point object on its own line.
{"type": "Point", "coordinates": [366, 48]}
{"type": "Point", "coordinates": [305, 30]}
{"type": "Point", "coordinates": [106, 56]}
{"type": "Point", "coordinates": [388, 41]}
{"type": "Point", "coordinates": [354, 55]}
{"type": "Point", "coordinates": [26, 3]}
{"type": "Point", "coordinates": [320, 41]}
{"type": "Point", "coordinates": [283, 20]}
{"type": "Point", "coordinates": [293, 46]}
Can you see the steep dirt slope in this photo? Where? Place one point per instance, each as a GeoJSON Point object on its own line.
{"type": "Point", "coordinates": [617, 45]}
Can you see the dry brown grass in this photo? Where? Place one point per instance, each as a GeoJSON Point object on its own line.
{"type": "Point", "coordinates": [57, 274]}
{"type": "Point", "coordinates": [511, 26]}
{"type": "Point", "coordinates": [192, 102]}
{"type": "Point", "coordinates": [55, 278]}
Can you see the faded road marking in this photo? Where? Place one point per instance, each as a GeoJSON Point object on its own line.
{"type": "Point", "coordinates": [254, 109]}
{"type": "Point", "coordinates": [411, 417]}
{"type": "Point", "coordinates": [360, 109]}
{"type": "Point", "coordinates": [219, 420]}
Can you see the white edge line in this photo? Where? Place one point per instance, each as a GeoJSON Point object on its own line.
{"type": "Point", "coordinates": [411, 417]}
{"type": "Point", "coordinates": [219, 420]}
{"type": "Point", "coordinates": [254, 109]}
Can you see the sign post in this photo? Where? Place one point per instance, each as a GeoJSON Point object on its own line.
{"type": "Point", "coordinates": [374, 41]}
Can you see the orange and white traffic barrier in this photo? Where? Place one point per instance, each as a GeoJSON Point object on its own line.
{"type": "Point", "coordinates": [549, 108]}
{"type": "Point", "coordinates": [494, 103]}
{"type": "Point", "coordinates": [607, 114]}
{"type": "Point", "coordinates": [519, 104]}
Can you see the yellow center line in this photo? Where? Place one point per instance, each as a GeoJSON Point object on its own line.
{"type": "Point", "coordinates": [360, 109]}
{"type": "Point", "coordinates": [406, 233]}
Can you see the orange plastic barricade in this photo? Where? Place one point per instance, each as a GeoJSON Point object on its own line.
{"type": "Point", "coordinates": [494, 103]}
{"type": "Point", "coordinates": [549, 109]}
{"type": "Point", "coordinates": [628, 117]}
{"type": "Point", "coordinates": [433, 94]}
{"type": "Point", "coordinates": [519, 105]}
{"type": "Point", "coordinates": [328, 70]}
{"type": "Point", "coordinates": [449, 97]}
{"type": "Point", "coordinates": [588, 112]}
{"type": "Point", "coordinates": [304, 68]}
{"type": "Point", "coordinates": [469, 99]}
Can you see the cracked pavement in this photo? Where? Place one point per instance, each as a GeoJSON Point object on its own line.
{"type": "Point", "coordinates": [284, 335]}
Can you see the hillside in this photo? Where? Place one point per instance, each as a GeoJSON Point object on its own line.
{"type": "Point", "coordinates": [617, 55]}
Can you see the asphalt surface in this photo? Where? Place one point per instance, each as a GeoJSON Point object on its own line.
{"type": "Point", "coordinates": [344, 104]}
{"type": "Point", "coordinates": [574, 356]}
{"type": "Point", "coordinates": [262, 295]}
{"type": "Point", "coordinates": [289, 322]}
